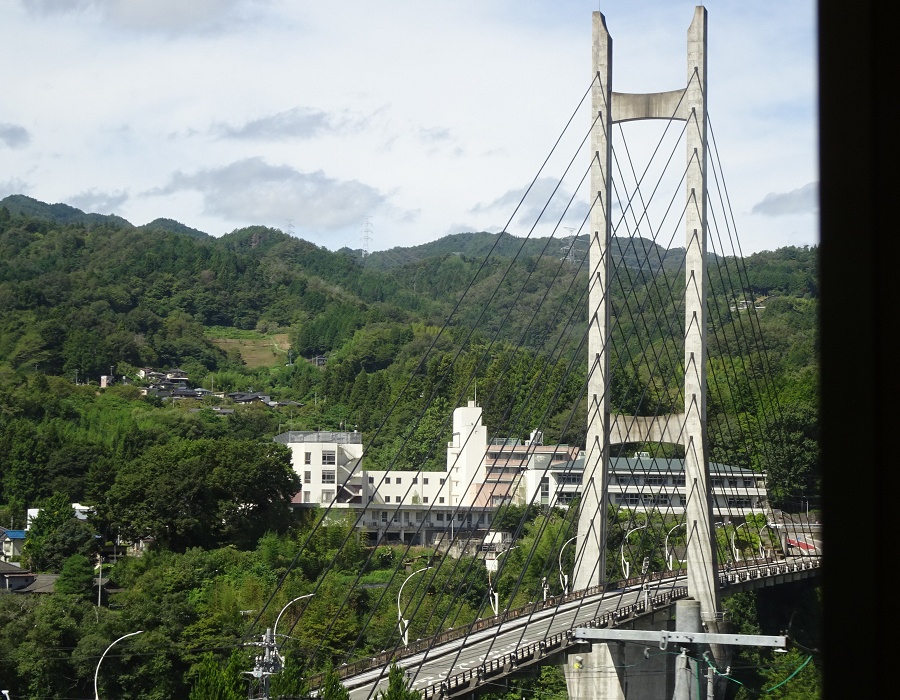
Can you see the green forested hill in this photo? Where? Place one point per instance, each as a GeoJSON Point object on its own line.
{"type": "Point", "coordinates": [83, 294]}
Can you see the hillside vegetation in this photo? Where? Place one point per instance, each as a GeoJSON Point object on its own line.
{"type": "Point", "coordinates": [85, 295]}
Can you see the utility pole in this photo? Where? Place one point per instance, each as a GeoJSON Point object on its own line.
{"type": "Point", "coordinates": [266, 663]}
{"type": "Point", "coordinates": [689, 636]}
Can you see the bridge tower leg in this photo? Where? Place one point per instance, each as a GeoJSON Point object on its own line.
{"type": "Point", "coordinates": [688, 428]}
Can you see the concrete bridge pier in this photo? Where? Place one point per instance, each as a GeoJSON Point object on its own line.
{"type": "Point", "coordinates": [622, 671]}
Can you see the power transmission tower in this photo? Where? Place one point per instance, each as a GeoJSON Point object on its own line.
{"type": "Point", "coordinates": [290, 226]}
{"type": "Point", "coordinates": [366, 237]}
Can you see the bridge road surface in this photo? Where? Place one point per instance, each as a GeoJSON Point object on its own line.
{"type": "Point", "coordinates": [456, 656]}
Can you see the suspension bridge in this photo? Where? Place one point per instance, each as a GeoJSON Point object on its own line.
{"type": "Point", "coordinates": [664, 344]}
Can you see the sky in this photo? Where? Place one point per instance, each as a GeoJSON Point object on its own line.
{"type": "Point", "coordinates": [381, 124]}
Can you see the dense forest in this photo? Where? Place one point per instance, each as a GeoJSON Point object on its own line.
{"type": "Point", "coordinates": [86, 295]}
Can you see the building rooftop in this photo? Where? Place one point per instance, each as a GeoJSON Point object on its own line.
{"type": "Point", "coordinates": [340, 437]}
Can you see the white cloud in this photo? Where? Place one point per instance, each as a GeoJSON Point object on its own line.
{"type": "Point", "coordinates": [96, 201]}
{"type": "Point", "coordinates": [296, 123]}
{"type": "Point", "coordinates": [13, 186]}
{"type": "Point", "coordinates": [804, 200]}
{"type": "Point", "coordinates": [253, 190]}
{"type": "Point", "coordinates": [162, 16]}
{"type": "Point", "coordinates": [14, 136]}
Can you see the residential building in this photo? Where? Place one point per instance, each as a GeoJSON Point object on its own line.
{"type": "Point", "coordinates": [11, 542]}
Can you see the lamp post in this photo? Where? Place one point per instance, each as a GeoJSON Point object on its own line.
{"type": "Point", "coordinates": [734, 550]}
{"type": "Point", "coordinates": [626, 566]}
{"type": "Point", "coordinates": [669, 557]}
{"type": "Point", "coordinates": [773, 527]}
{"type": "Point", "coordinates": [289, 603]}
{"type": "Point", "coordinates": [402, 623]}
{"type": "Point", "coordinates": [564, 578]}
{"type": "Point", "coordinates": [97, 672]}
{"type": "Point", "coordinates": [494, 595]}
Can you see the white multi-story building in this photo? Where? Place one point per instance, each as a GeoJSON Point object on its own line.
{"type": "Point", "coordinates": [482, 474]}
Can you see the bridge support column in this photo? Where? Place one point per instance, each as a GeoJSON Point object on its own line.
{"type": "Point", "coordinates": [620, 671]}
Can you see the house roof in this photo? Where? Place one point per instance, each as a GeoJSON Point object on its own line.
{"type": "Point", "coordinates": [8, 568]}
{"type": "Point", "coordinates": [13, 535]}
{"type": "Point", "coordinates": [43, 583]}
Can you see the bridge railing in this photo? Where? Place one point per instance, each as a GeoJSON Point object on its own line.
{"type": "Point", "coordinates": [727, 576]}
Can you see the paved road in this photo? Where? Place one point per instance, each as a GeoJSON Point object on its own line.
{"type": "Point", "coordinates": [459, 655]}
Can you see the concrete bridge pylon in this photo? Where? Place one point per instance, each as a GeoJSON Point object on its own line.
{"type": "Point", "coordinates": [689, 426]}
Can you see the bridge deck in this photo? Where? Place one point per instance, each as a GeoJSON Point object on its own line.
{"type": "Point", "coordinates": [458, 661]}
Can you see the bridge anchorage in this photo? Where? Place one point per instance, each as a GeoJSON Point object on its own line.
{"type": "Point", "coordinates": [648, 527]}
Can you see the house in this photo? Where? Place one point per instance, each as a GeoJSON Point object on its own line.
{"type": "Point", "coordinates": [11, 542]}
{"type": "Point", "coordinates": [249, 397]}
{"type": "Point", "coordinates": [483, 474]}
{"type": "Point", "coordinates": [13, 577]}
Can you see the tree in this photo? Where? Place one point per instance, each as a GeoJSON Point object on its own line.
{"type": "Point", "coordinates": [332, 688]}
{"type": "Point", "coordinates": [217, 683]}
{"type": "Point", "coordinates": [55, 534]}
{"type": "Point", "coordinates": [76, 577]}
{"type": "Point", "coordinates": [204, 493]}
{"type": "Point", "coordinates": [398, 686]}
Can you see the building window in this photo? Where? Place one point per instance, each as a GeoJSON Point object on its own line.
{"type": "Point", "coordinates": [440, 517]}
{"type": "Point", "coordinates": [632, 499]}
{"type": "Point", "coordinates": [387, 479]}
{"type": "Point", "coordinates": [398, 479]}
{"type": "Point", "coordinates": [424, 499]}
{"type": "Point", "coordinates": [622, 480]}
{"type": "Point", "coordinates": [328, 476]}
{"type": "Point", "coordinates": [307, 477]}
{"type": "Point", "coordinates": [679, 480]}
{"type": "Point", "coordinates": [371, 479]}
{"type": "Point", "coordinates": [307, 457]}
{"type": "Point", "coordinates": [406, 518]}
{"type": "Point", "coordinates": [425, 480]}
{"type": "Point", "coordinates": [569, 478]}
{"type": "Point", "coordinates": [716, 482]}
{"type": "Point", "coordinates": [307, 497]}
{"type": "Point", "coordinates": [398, 499]}
{"type": "Point", "coordinates": [327, 496]}
{"type": "Point", "coordinates": [739, 503]}
{"type": "Point", "coordinates": [440, 499]}
{"type": "Point", "coordinates": [329, 457]}
{"type": "Point", "coordinates": [655, 480]}
{"type": "Point", "coordinates": [384, 516]}
{"type": "Point", "coordinates": [415, 480]}
{"type": "Point", "coordinates": [441, 481]}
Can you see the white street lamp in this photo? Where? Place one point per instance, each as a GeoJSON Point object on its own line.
{"type": "Point", "coordinates": [495, 595]}
{"type": "Point", "coordinates": [275, 627]}
{"type": "Point", "coordinates": [402, 623]}
{"type": "Point", "coordinates": [97, 672]}
{"type": "Point", "coordinates": [670, 558]}
{"type": "Point", "coordinates": [734, 550]}
{"type": "Point", "coordinates": [564, 578]}
{"type": "Point", "coordinates": [626, 566]}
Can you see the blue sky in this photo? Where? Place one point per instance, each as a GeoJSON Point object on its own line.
{"type": "Point", "coordinates": [419, 118]}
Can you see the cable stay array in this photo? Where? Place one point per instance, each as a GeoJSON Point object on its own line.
{"type": "Point", "coordinates": [529, 375]}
